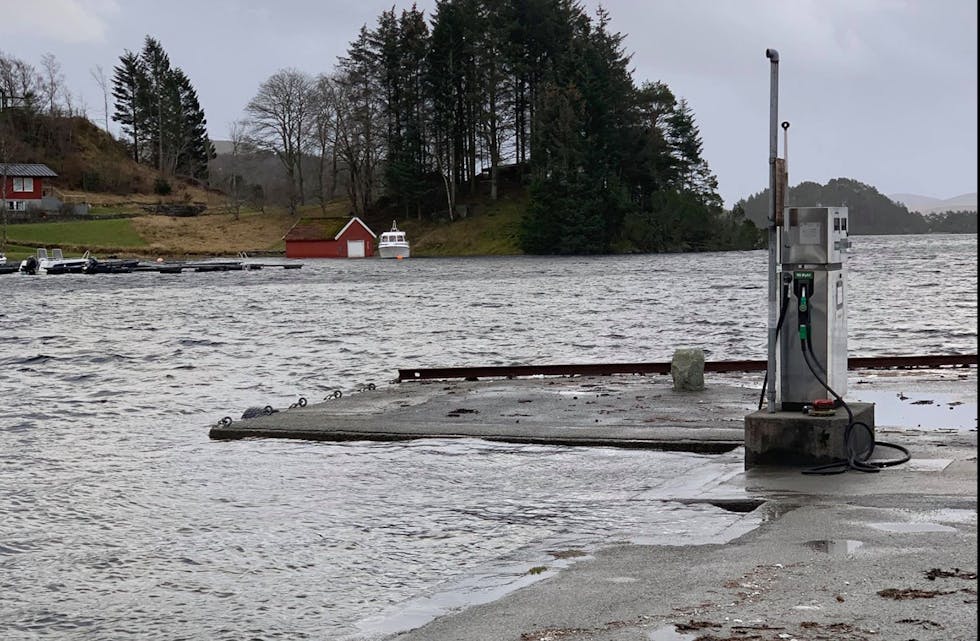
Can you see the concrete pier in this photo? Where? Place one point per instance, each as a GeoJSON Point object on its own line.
{"type": "Point", "coordinates": [849, 557]}
{"type": "Point", "coordinates": [617, 411]}
{"type": "Point", "coordinates": [636, 411]}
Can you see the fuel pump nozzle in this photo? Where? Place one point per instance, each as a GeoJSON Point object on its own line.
{"type": "Point", "coordinates": [803, 315]}
{"type": "Point", "coordinates": [803, 282]}
{"type": "Point", "coordinates": [803, 289]}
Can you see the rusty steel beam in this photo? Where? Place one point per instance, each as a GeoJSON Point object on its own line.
{"type": "Point", "coordinates": [912, 362]}
{"type": "Point", "coordinates": [606, 369]}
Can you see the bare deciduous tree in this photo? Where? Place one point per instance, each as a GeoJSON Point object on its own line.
{"type": "Point", "coordinates": [323, 133]}
{"type": "Point", "coordinates": [20, 82]}
{"type": "Point", "coordinates": [237, 137]}
{"type": "Point", "coordinates": [52, 81]}
{"type": "Point", "coordinates": [277, 121]}
{"type": "Point", "coordinates": [99, 76]}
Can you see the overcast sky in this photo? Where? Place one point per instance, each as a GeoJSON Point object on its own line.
{"type": "Point", "coordinates": [882, 91]}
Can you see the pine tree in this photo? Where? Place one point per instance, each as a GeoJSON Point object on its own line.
{"type": "Point", "coordinates": [694, 175]}
{"type": "Point", "coordinates": [128, 89]}
{"type": "Point", "coordinates": [580, 127]}
{"type": "Point", "coordinates": [360, 107]}
{"type": "Point", "coordinates": [159, 110]}
{"type": "Point", "coordinates": [416, 108]}
{"type": "Point", "coordinates": [190, 140]}
{"type": "Point", "coordinates": [156, 106]}
{"type": "Point", "coordinates": [398, 53]}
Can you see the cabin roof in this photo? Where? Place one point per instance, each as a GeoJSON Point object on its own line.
{"type": "Point", "coordinates": [322, 228]}
{"type": "Point", "coordinates": [34, 170]}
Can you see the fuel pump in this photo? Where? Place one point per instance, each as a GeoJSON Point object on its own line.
{"type": "Point", "coordinates": [813, 334]}
{"type": "Point", "coordinates": [807, 336]}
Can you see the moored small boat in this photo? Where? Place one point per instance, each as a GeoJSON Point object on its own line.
{"type": "Point", "coordinates": [56, 263]}
{"type": "Point", "coordinates": [393, 243]}
{"type": "Point", "coordinates": [110, 266]}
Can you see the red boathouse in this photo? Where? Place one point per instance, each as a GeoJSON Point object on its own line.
{"type": "Point", "coordinates": [329, 238]}
{"type": "Point", "coordinates": [25, 184]}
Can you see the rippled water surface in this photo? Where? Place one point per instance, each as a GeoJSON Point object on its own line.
{"type": "Point", "coordinates": [120, 519]}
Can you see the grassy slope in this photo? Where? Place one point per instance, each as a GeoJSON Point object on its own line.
{"type": "Point", "coordinates": [493, 231]}
{"type": "Point", "coordinates": [214, 234]}
{"type": "Point", "coordinates": [94, 159]}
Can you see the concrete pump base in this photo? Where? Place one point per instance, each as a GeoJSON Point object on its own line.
{"type": "Point", "coordinates": [794, 439]}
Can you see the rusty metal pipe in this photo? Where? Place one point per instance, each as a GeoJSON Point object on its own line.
{"type": "Point", "coordinates": [607, 369]}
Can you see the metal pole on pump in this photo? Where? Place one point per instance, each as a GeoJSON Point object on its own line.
{"type": "Point", "coordinates": [773, 56]}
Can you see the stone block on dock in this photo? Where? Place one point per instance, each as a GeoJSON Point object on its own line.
{"type": "Point", "coordinates": [687, 370]}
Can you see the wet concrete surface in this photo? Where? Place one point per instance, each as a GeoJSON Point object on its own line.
{"type": "Point", "coordinates": [620, 411]}
{"type": "Point", "coordinates": [844, 557]}
{"type": "Point", "coordinates": [854, 556]}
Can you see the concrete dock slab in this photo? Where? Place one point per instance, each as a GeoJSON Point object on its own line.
{"type": "Point", "coordinates": [639, 411]}
{"type": "Point", "coordinates": [621, 411]}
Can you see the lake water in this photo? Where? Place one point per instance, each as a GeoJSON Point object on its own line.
{"type": "Point", "coordinates": [119, 519]}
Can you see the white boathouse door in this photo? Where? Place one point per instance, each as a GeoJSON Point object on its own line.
{"type": "Point", "coordinates": [355, 249]}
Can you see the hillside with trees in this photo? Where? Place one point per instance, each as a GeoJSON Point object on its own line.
{"type": "Point", "coordinates": [869, 211]}
{"type": "Point", "coordinates": [427, 117]}
{"type": "Point", "coordinates": [424, 117]}
{"type": "Point", "coordinates": [163, 126]}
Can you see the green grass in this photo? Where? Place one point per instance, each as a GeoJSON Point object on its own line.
{"type": "Point", "coordinates": [117, 233]}
{"type": "Point", "coordinates": [17, 252]}
{"type": "Point", "coordinates": [493, 231]}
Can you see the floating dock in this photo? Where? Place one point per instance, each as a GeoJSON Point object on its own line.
{"type": "Point", "coordinates": [165, 267]}
{"type": "Point", "coordinates": [636, 411]}
{"type": "Point", "coordinates": [609, 411]}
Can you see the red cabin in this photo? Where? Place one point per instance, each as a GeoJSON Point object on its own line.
{"type": "Point", "coordinates": [24, 185]}
{"type": "Point", "coordinates": [329, 238]}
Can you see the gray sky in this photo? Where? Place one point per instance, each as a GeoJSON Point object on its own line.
{"type": "Point", "coordinates": [882, 91]}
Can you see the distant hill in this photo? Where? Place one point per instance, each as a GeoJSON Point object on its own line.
{"type": "Point", "coordinates": [222, 146]}
{"type": "Point", "coordinates": [928, 205]}
{"type": "Point", "coordinates": [869, 211]}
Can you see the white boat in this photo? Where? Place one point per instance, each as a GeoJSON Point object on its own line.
{"type": "Point", "coordinates": [56, 263]}
{"type": "Point", "coordinates": [393, 244]}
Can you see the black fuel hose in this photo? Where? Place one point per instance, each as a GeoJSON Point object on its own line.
{"type": "Point", "coordinates": [858, 461]}
{"type": "Point", "coordinates": [779, 325]}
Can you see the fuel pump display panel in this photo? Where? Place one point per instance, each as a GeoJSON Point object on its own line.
{"type": "Point", "coordinates": [816, 235]}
